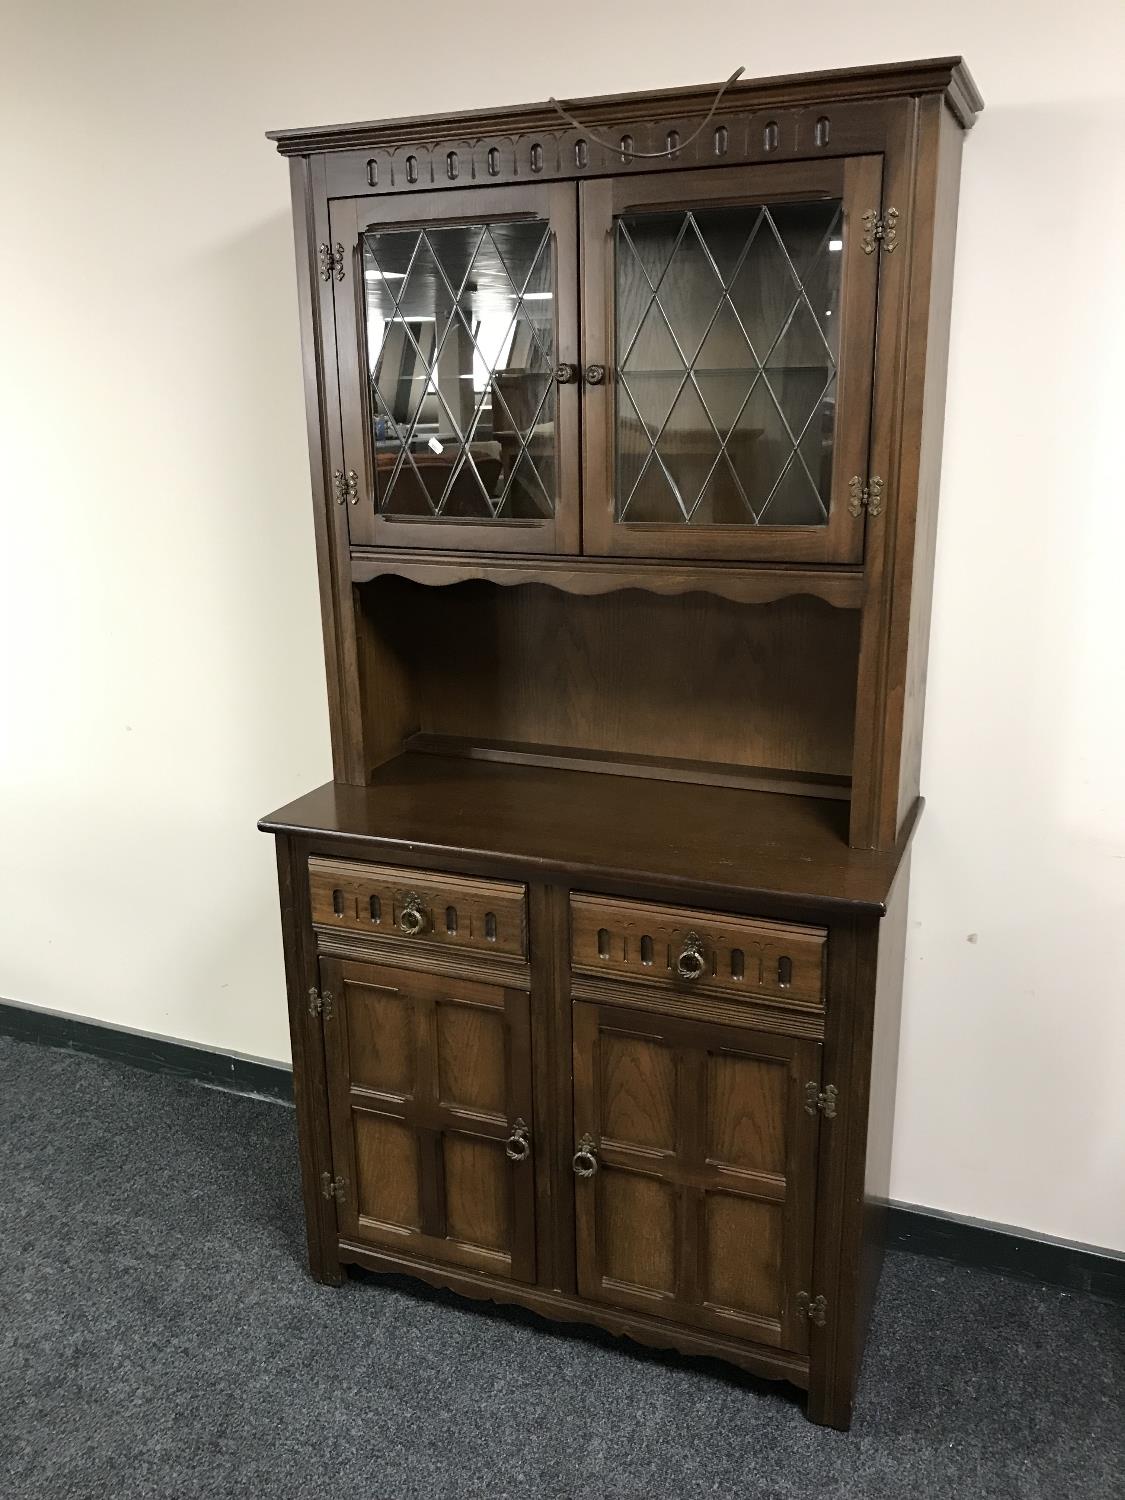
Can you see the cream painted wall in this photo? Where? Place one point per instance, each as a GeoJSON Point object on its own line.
{"type": "Point", "coordinates": [161, 677]}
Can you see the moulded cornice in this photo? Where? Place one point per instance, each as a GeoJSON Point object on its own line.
{"type": "Point", "coordinates": [948, 76]}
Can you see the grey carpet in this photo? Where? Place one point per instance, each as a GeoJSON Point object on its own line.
{"type": "Point", "coordinates": [159, 1337]}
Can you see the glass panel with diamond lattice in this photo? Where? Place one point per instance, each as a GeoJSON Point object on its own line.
{"type": "Point", "coordinates": [461, 355]}
{"type": "Point", "coordinates": [727, 350]}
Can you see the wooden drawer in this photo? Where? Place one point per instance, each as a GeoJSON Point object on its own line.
{"type": "Point", "coordinates": [419, 906]}
{"type": "Point", "coordinates": [698, 951]}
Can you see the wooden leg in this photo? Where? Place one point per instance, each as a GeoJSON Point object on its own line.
{"type": "Point", "coordinates": [325, 1268]}
{"type": "Point", "coordinates": [831, 1405]}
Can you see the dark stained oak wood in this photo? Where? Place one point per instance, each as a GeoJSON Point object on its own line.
{"type": "Point", "coordinates": [700, 1206]}
{"type": "Point", "coordinates": [579, 768]}
{"type": "Point", "coordinates": [753, 583]}
{"type": "Point", "coordinates": [948, 77]}
{"type": "Point", "coordinates": [655, 1332]}
{"type": "Point", "coordinates": [310, 1089]}
{"type": "Point", "coordinates": [429, 1079]}
{"type": "Point", "coordinates": [745, 846]}
{"type": "Point", "coordinates": [738, 957]}
{"type": "Point", "coordinates": [906, 435]}
{"type": "Point", "coordinates": [419, 908]}
{"type": "Point", "coordinates": [691, 688]}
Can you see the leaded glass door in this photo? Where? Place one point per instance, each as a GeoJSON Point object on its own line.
{"type": "Point", "coordinates": [456, 325]}
{"type": "Point", "coordinates": [729, 326]}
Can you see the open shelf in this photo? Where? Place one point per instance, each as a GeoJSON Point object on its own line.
{"type": "Point", "coordinates": [741, 583]}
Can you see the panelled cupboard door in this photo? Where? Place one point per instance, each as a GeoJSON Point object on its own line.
{"type": "Point", "coordinates": [695, 1171]}
{"type": "Point", "coordinates": [728, 327]}
{"type": "Point", "coordinates": [429, 1083]}
{"type": "Point", "coordinates": [457, 339]}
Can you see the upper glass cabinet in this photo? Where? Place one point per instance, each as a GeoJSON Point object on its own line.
{"type": "Point", "coordinates": [729, 317]}
{"type": "Point", "coordinates": [720, 350]}
{"type": "Point", "coordinates": [464, 433]}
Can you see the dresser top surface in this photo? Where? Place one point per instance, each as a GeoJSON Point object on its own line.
{"type": "Point", "coordinates": [732, 843]}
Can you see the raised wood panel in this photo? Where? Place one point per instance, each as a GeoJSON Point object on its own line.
{"type": "Point", "coordinates": [743, 1245]}
{"type": "Point", "coordinates": [428, 1078]}
{"type": "Point", "coordinates": [694, 678]}
{"type": "Point", "coordinates": [637, 1225]}
{"type": "Point", "coordinates": [742, 956]}
{"type": "Point", "coordinates": [485, 916]}
{"type": "Point", "coordinates": [746, 1119]}
{"type": "Point", "coordinates": [471, 1067]}
{"type": "Point", "coordinates": [381, 1039]}
{"type": "Point", "coordinates": [701, 1206]}
{"type": "Point", "coordinates": [478, 1191]}
{"type": "Point", "coordinates": [638, 1087]}
{"type": "Point", "coordinates": [387, 1177]}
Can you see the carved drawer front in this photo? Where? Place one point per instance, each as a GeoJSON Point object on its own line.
{"type": "Point", "coordinates": [698, 951]}
{"type": "Point", "coordinates": [419, 906]}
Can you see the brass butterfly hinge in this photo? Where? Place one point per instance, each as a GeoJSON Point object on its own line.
{"type": "Point", "coordinates": [813, 1308]}
{"type": "Point", "coordinates": [346, 486]}
{"type": "Point", "coordinates": [320, 1005]}
{"type": "Point", "coordinates": [333, 1187]}
{"type": "Point", "coordinates": [825, 1102]}
{"type": "Point", "coordinates": [880, 229]}
{"type": "Point", "coordinates": [865, 497]}
{"type": "Point", "coordinates": [331, 262]}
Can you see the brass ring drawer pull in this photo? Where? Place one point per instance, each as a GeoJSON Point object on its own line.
{"type": "Point", "coordinates": [585, 1159]}
{"type": "Point", "coordinates": [412, 919]}
{"type": "Point", "coordinates": [691, 963]}
{"type": "Point", "coordinates": [518, 1145]}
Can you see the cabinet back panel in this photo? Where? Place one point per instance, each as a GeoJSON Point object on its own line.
{"type": "Point", "coordinates": [693, 677]}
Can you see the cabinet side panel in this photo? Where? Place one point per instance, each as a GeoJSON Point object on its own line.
{"type": "Point", "coordinates": [922, 181]}
{"type": "Point", "coordinates": [318, 366]}
{"type": "Point", "coordinates": [951, 138]}
{"type": "Point", "coordinates": [881, 1105]}
{"type": "Point", "coordinates": [310, 1087]}
{"type": "Point", "coordinates": [390, 710]}
{"type": "Point", "coordinates": [862, 1055]}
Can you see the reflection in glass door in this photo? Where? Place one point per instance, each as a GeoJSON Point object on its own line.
{"type": "Point", "coordinates": [727, 349]}
{"type": "Point", "coordinates": [461, 359]}
{"type": "Point", "coordinates": [459, 402]}
{"type": "Point", "coordinates": [734, 312]}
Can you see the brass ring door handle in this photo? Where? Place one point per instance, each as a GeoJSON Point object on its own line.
{"type": "Point", "coordinates": [517, 1147]}
{"type": "Point", "coordinates": [585, 1159]}
{"type": "Point", "coordinates": [691, 964]}
{"type": "Point", "coordinates": [566, 374]}
{"type": "Point", "coordinates": [595, 374]}
{"type": "Point", "coordinates": [412, 919]}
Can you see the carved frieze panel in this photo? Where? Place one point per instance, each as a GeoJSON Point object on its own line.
{"type": "Point", "coordinates": [548, 153]}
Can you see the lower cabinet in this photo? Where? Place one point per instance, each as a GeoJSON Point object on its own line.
{"type": "Point", "coordinates": [648, 1117]}
{"type": "Point", "coordinates": [429, 1083]}
{"type": "Point", "coordinates": [694, 1162]}
{"type": "Point", "coordinates": [695, 1167]}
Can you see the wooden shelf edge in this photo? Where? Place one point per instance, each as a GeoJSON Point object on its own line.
{"type": "Point", "coordinates": [742, 583]}
{"type": "Point", "coordinates": [647, 767]}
